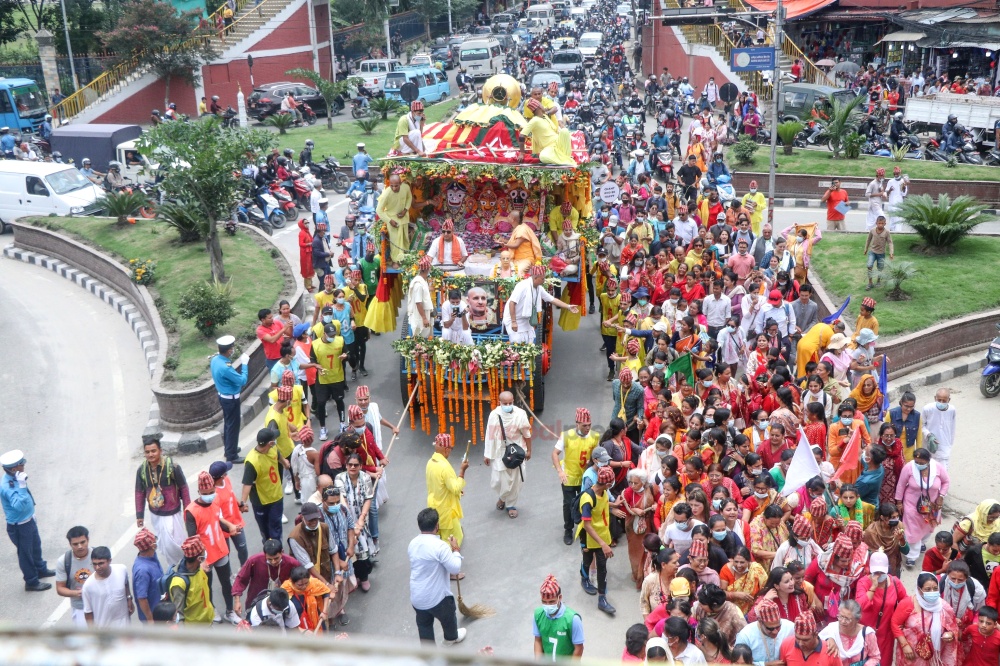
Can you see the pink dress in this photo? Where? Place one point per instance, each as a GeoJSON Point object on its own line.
{"type": "Point", "coordinates": [908, 491]}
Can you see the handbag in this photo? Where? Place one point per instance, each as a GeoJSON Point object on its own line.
{"type": "Point", "coordinates": [513, 455]}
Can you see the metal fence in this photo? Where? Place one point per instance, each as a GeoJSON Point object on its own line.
{"type": "Point", "coordinates": [88, 68]}
{"type": "Point", "coordinates": [410, 26]}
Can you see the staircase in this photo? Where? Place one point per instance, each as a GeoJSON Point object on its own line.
{"type": "Point", "coordinates": [248, 19]}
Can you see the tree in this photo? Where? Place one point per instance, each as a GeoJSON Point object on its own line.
{"type": "Point", "coordinates": [37, 14]}
{"type": "Point", "coordinates": [166, 41]}
{"type": "Point", "coordinates": [944, 223]}
{"type": "Point", "coordinates": [433, 9]}
{"type": "Point", "coordinates": [844, 119]}
{"type": "Point", "coordinates": [198, 161]}
{"type": "Point", "coordinates": [330, 90]}
{"type": "Point", "coordinates": [10, 28]}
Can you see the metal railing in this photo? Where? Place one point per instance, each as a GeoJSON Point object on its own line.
{"type": "Point", "coordinates": [810, 72]}
{"type": "Point", "coordinates": [718, 38]}
{"type": "Point", "coordinates": [74, 104]}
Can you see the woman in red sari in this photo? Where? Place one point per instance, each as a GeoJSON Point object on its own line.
{"type": "Point", "coordinates": [925, 627]}
{"type": "Point", "coordinates": [815, 427]}
{"type": "Point", "coordinates": [893, 464]}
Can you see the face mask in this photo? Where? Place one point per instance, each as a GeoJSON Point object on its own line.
{"type": "Point", "coordinates": [684, 527]}
{"type": "Point", "coordinates": [340, 301]}
{"type": "Point", "coordinates": [311, 529]}
{"type": "Point", "coordinates": [335, 509]}
{"type": "Point", "coordinates": [659, 366]}
{"type": "Point", "coordinates": [730, 329]}
{"type": "Point", "coordinates": [719, 536]}
{"type": "Point", "coordinates": [707, 383]}
{"type": "Point", "coordinates": [893, 522]}
{"type": "Point", "coordinates": [643, 302]}
{"type": "Point", "coordinates": [847, 423]}
{"type": "Point", "coordinates": [943, 406]}
{"type": "Point", "coordinates": [753, 190]}
{"type": "Point", "coordinates": [710, 421]}
{"type": "Point", "coordinates": [550, 609]}
{"type": "Point", "coordinates": [639, 262]}
{"type": "Point", "coordinates": [953, 585]}
{"type": "Point", "coordinates": [674, 301]}
{"type": "Point", "coordinates": [717, 504]}
{"type": "Point", "coordinates": [360, 430]}
{"type": "Point", "coordinates": [507, 409]}
{"type": "Point", "coordinates": [920, 467]}
{"type": "Point", "coordinates": [882, 577]}
{"type": "Point", "coordinates": [760, 495]}
{"type": "Point", "coordinates": [662, 454]}
{"type": "Point", "coordinates": [763, 424]}
{"type": "Point", "coordinates": [207, 499]}
{"type": "Point", "coordinates": [932, 597]}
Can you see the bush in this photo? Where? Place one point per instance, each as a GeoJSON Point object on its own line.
{"type": "Point", "coordinates": [123, 205]}
{"type": "Point", "coordinates": [852, 145]}
{"type": "Point", "coordinates": [142, 271]}
{"type": "Point", "coordinates": [180, 215]}
{"type": "Point", "coordinates": [383, 106]}
{"type": "Point", "coordinates": [944, 223]}
{"type": "Point", "coordinates": [367, 125]}
{"type": "Point", "coordinates": [787, 131]}
{"type": "Point", "coordinates": [282, 121]}
{"type": "Point", "coordinates": [207, 307]}
{"type": "Point", "coordinates": [744, 150]}
{"type": "Point", "coordinates": [896, 273]}
{"type": "Point", "coordinates": [899, 154]}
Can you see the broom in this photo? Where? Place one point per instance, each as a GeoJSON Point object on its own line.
{"type": "Point", "coordinates": [476, 610]}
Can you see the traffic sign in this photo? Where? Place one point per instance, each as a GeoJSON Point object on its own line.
{"type": "Point", "coordinates": [609, 192]}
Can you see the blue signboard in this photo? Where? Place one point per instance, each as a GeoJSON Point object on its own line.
{"type": "Point", "coordinates": [753, 59]}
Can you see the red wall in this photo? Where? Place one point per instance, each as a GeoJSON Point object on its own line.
{"type": "Point", "coordinates": [661, 48]}
{"type": "Point", "coordinates": [136, 108]}
{"type": "Point", "coordinates": [293, 32]}
{"type": "Point", "coordinates": [222, 80]}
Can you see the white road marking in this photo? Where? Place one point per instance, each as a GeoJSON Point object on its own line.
{"type": "Point", "coordinates": [118, 385]}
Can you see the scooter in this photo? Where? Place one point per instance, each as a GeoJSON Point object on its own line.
{"type": "Point", "coordinates": [285, 203]}
{"type": "Point", "coordinates": [248, 213]}
{"type": "Point", "coordinates": [270, 208]}
{"type": "Point", "coordinates": [989, 383]}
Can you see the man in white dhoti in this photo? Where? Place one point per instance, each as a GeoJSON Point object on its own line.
{"type": "Point", "coordinates": [506, 424]}
{"type": "Point", "coordinates": [409, 130]}
{"type": "Point", "coordinates": [419, 306]}
{"type": "Point", "coordinates": [876, 198]}
{"type": "Point", "coordinates": [524, 307]}
{"type": "Point", "coordinates": [895, 192]}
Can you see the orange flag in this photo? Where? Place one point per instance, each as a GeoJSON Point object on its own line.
{"type": "Point", "coordinates": [852, 454]}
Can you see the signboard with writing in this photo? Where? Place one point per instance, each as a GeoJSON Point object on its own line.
{"type": "Point", "coordinates": [757, 59]}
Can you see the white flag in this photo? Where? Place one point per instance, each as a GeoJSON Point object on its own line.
{"type": "Point", "coordinates": [802, 468]}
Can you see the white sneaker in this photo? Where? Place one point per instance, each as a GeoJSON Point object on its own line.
{"type": "Point", "coordinates": [322, 433]}
{"type": "Point", "coordinates": [284, 519]}
{"type": "Point", "coordinates": [461, 637]}
{"type": "Point", "coordinates": [288, 488]}
{"type": "Point", "coordinates": [218, 619]}
{"type": "Point", "coordinates": [231, 617]}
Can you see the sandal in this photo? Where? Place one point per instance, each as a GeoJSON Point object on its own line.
{"type": "Point", "coordinates": [458, 576]}
{"type": "Point", "coordinates": [511, 512]}
{"type": "Point", "coordinates": [501, 505]}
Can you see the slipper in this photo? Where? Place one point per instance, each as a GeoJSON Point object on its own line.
{"type": "Point", "coordinates": [458, 576]}
{"type": "Point", "coordinates": [511, 512]}
{"type": "Point", "coordinates": [500, 505]}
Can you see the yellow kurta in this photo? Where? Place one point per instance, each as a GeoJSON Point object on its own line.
{"type": "Point", "coordinates": [759, 202]}
{"type": "Point", "coordinates": [808, 349]}
{"type": "Point", "coordinates": [865, 322]}
{"type": "Point", "coordinates": [444, 493]}
{"type": "Point", "coordinates": [394, 208]}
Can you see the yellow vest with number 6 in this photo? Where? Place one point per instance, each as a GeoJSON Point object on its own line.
{"type": "Point", "coordinates": [268, 482]}
{"type": "Point", "coordinates": [576, 454]}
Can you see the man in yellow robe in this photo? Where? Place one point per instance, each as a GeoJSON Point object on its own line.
{"type": "Point", "coordinates": [444, 489]}
{"type": "Point", "coordinates": [394, 209]}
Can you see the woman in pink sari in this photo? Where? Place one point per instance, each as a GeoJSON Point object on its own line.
{"type": "Point", "coordinates": [925, 628]}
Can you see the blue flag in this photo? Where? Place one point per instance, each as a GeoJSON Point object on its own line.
{"type": "Point", "coordinates": [883, 385]}
{"type": "Point", "coordinates": [836, 315]}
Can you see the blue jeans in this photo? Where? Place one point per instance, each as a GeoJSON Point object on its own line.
{"type": "Point", "coordinates": [268, 517]}
{"type": "Point", "coordinates": [29, 550]}
{"type": "Point", "coordinates": [269, 363]}
{"type": "Point", "coordinates": [874, 259]}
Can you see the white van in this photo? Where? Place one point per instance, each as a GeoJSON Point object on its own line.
{"type": "Point", "coordinates": [541, 17]}
{"type": "Point", "coordinates": [373, 72]}
{"type": "Point", "coordinates": [589, 43]}
{"type": "Point", "coordinates": [481, 58]}
{"type": "Point", "coordinates": [43, 188]}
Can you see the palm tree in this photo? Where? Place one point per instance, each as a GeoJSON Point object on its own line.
{"type": "Point", "coordinates": [844, 119]}
{"type": "Point", "coordinates": [330, 90]}
{"type": "Point", "coordinates": [943, 223]}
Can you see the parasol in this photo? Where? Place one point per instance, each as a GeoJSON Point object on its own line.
{"type": "Point", "coordinates": [847, 67]}
{"type": "Point", "coordinates": [825, 62]}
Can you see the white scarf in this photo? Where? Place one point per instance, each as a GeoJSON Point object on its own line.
{"type": "Point", "coordinates": [935, 611]}
{"type": "Point", "coordinates": [932, 472]}
{"type": "Point", "coordinates": [832, 631]}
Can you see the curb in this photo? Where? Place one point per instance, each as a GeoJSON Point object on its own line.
{"type": "Point", "coordinates": [936, 373]}
{"type": "Point", "coordinates": [172, 442]}
{"type": "Point", "coordinates": [816, 203]}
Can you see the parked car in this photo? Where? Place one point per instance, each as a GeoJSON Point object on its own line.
{"type": "Point", "coordinates": [445, 54]}
{"type": "Point", "coordinates": [373, 72]}
{"type": "Point", "coordinates": [797, 101]}
{"type": "Point", "coordinates": [265, 100]}
{"type": "Point", "coordinates": [566, 61]}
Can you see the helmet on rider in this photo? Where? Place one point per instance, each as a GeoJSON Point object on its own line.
{"type": "Point", "coordinates": [959, 129]}
{"type": "Point", "coordinates": [48, 117]}
{"type": "Point", "coordinates": [670, 113]}
{"type": "Point", "coordinates": [952, 118]}
{"type": "Point", "coordinates": [361, 174]}
{"type": "Point", "coordinates": [899, 115]}
{"type": "Point", "coordinates": [309, 143]}
{"type": "Point", "coordinates": [289, 153]}
{"type": "Point", "coordinates": [114, 166]}
{"type": "Point", "coordinates": [661, 129]}
{"type": "Point", "coordinates": [282, 161]}
{"type": "Point", "coordinates": [173, 105]}
{"type": "Point", "coordinates": [156, 112]}
{"type": "Point", "coordinates": [85, 160]}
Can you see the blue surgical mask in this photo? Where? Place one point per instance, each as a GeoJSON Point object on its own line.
{"type": "Point", "coordinates": [327, 319]}
{"type": "Point", "coordinates": [882, 577]}
{"type": "Point", "coordinates": [709, 420]}
{"type": "Point", "coordinates": [207, 499]}
{"type": "Point", "coordinates": [920, 467]}
{"type": "Point", "coordinates": [717, 504]}
{"type": "Point", "coordinates": [662, 454]}
{"type": "Point", "coordinates": [847, 423]}
{"type": "Point", "coordinates": [731, 329]}
{"type": "Point", "coordinates": [719, 536]}
{"type": "Point", "coordinates": [335, 509]}
{"type": "Point", "coordinates": [943, 406]}
{"type": "Point", "coordinates": [550, 609]}
{"type": "Point", "coordinates": [953, 585]}
{"type": "Point", "coordinates": [707, 383]}
{"type": "Point", "coordinates": [642, 302]}
{"type": "Point", "coordinates": [507, 409]}
{"type": "Point", "coordinates": [684, 527]}
{"type": "Point", "coordinates": [340, 301]}
{"type": "Point", "coordinates": [932, 597]}
{"type": "Point", "coordinates": [760, 495]}
{"type": "Point", "coordinates": [659, 366]}
{"type": "Point", "coordinates": [763, 424]}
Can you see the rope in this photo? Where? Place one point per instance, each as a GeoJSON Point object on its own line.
{"type": "Point", "coordinates": [527, 406]}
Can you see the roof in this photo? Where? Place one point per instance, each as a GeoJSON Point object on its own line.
{"type": "Point", "coordinates": [23, 168]}
{"type": "Point", "coordinates": [94, 130]}
{"type": "Point", "coordinates": [793, 8]}
{"type": "Point", "coordinates": [902, 36]}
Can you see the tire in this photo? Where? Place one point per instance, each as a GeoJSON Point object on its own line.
{"type": "Point", "coordinates": [292, 214]}
{"type": "Point", "coordinates": [148, 212]}
{"type": "Point", "coordinates": [266, 227]}
{"type": "Point", "coordinates": [341, 183]}
{"type": "Point", "coordinates": [989, 385]}
{"type": "Point", "coordinates": [277, 219]}
{"type": "Point", "coordinates": [356, 112]}
{"type": "Point", "coordinates": [444, 97]}
{"type": "Point", "coordinates": [311, 120]}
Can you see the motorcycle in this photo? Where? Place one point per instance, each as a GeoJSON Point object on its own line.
{"type": "Point", "coordinates": [285, 203]}
{"type": "Point", "coordinates": [935, 152]}
{"type": "Point", "coordinates": [248, 213]}
{"type": "Point", "coordinates": [335, 179]}
{"type": "Point", "coordinates": [230, 118]}
{"type": "Point", "coordinates": [968, 154]}
{"type": "Point", "coordinates": [724, 186]}
{"type": "Point", "coordinates": [663, 165]}
{"type": "Point", "coordinates": [989, 383]}
{"type": "Point", "coordinates": [359, 111]}
{"type": "Point", "coordinates": [992, 158]}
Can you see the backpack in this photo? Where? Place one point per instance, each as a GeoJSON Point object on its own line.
{"type": "Point", "coordinates": [258, 604]}
{"type": "Point", "coordinates": [167, 578]}
{"type": "Point", "coordinates": [574, 509]}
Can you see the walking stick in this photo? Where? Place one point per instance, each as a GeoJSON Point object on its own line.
{"type": "Point", "coordinates": [535, 416]}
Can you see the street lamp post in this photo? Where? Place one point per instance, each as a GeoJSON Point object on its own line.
{"type": "Point", "coordinates": [69, 49]}
{"type": "Point", "coordinates": [775, 92]}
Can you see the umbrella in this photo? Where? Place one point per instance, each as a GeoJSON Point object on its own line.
{"type": "Point", "coordinates": [847, 66]}
{"type": "Point", "coordinates": [825, 62]}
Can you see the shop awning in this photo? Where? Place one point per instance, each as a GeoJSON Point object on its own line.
{"type": "Point", "coordinates": [794, 8]}
{"type": "Point", "coordinates": [902, 36]}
